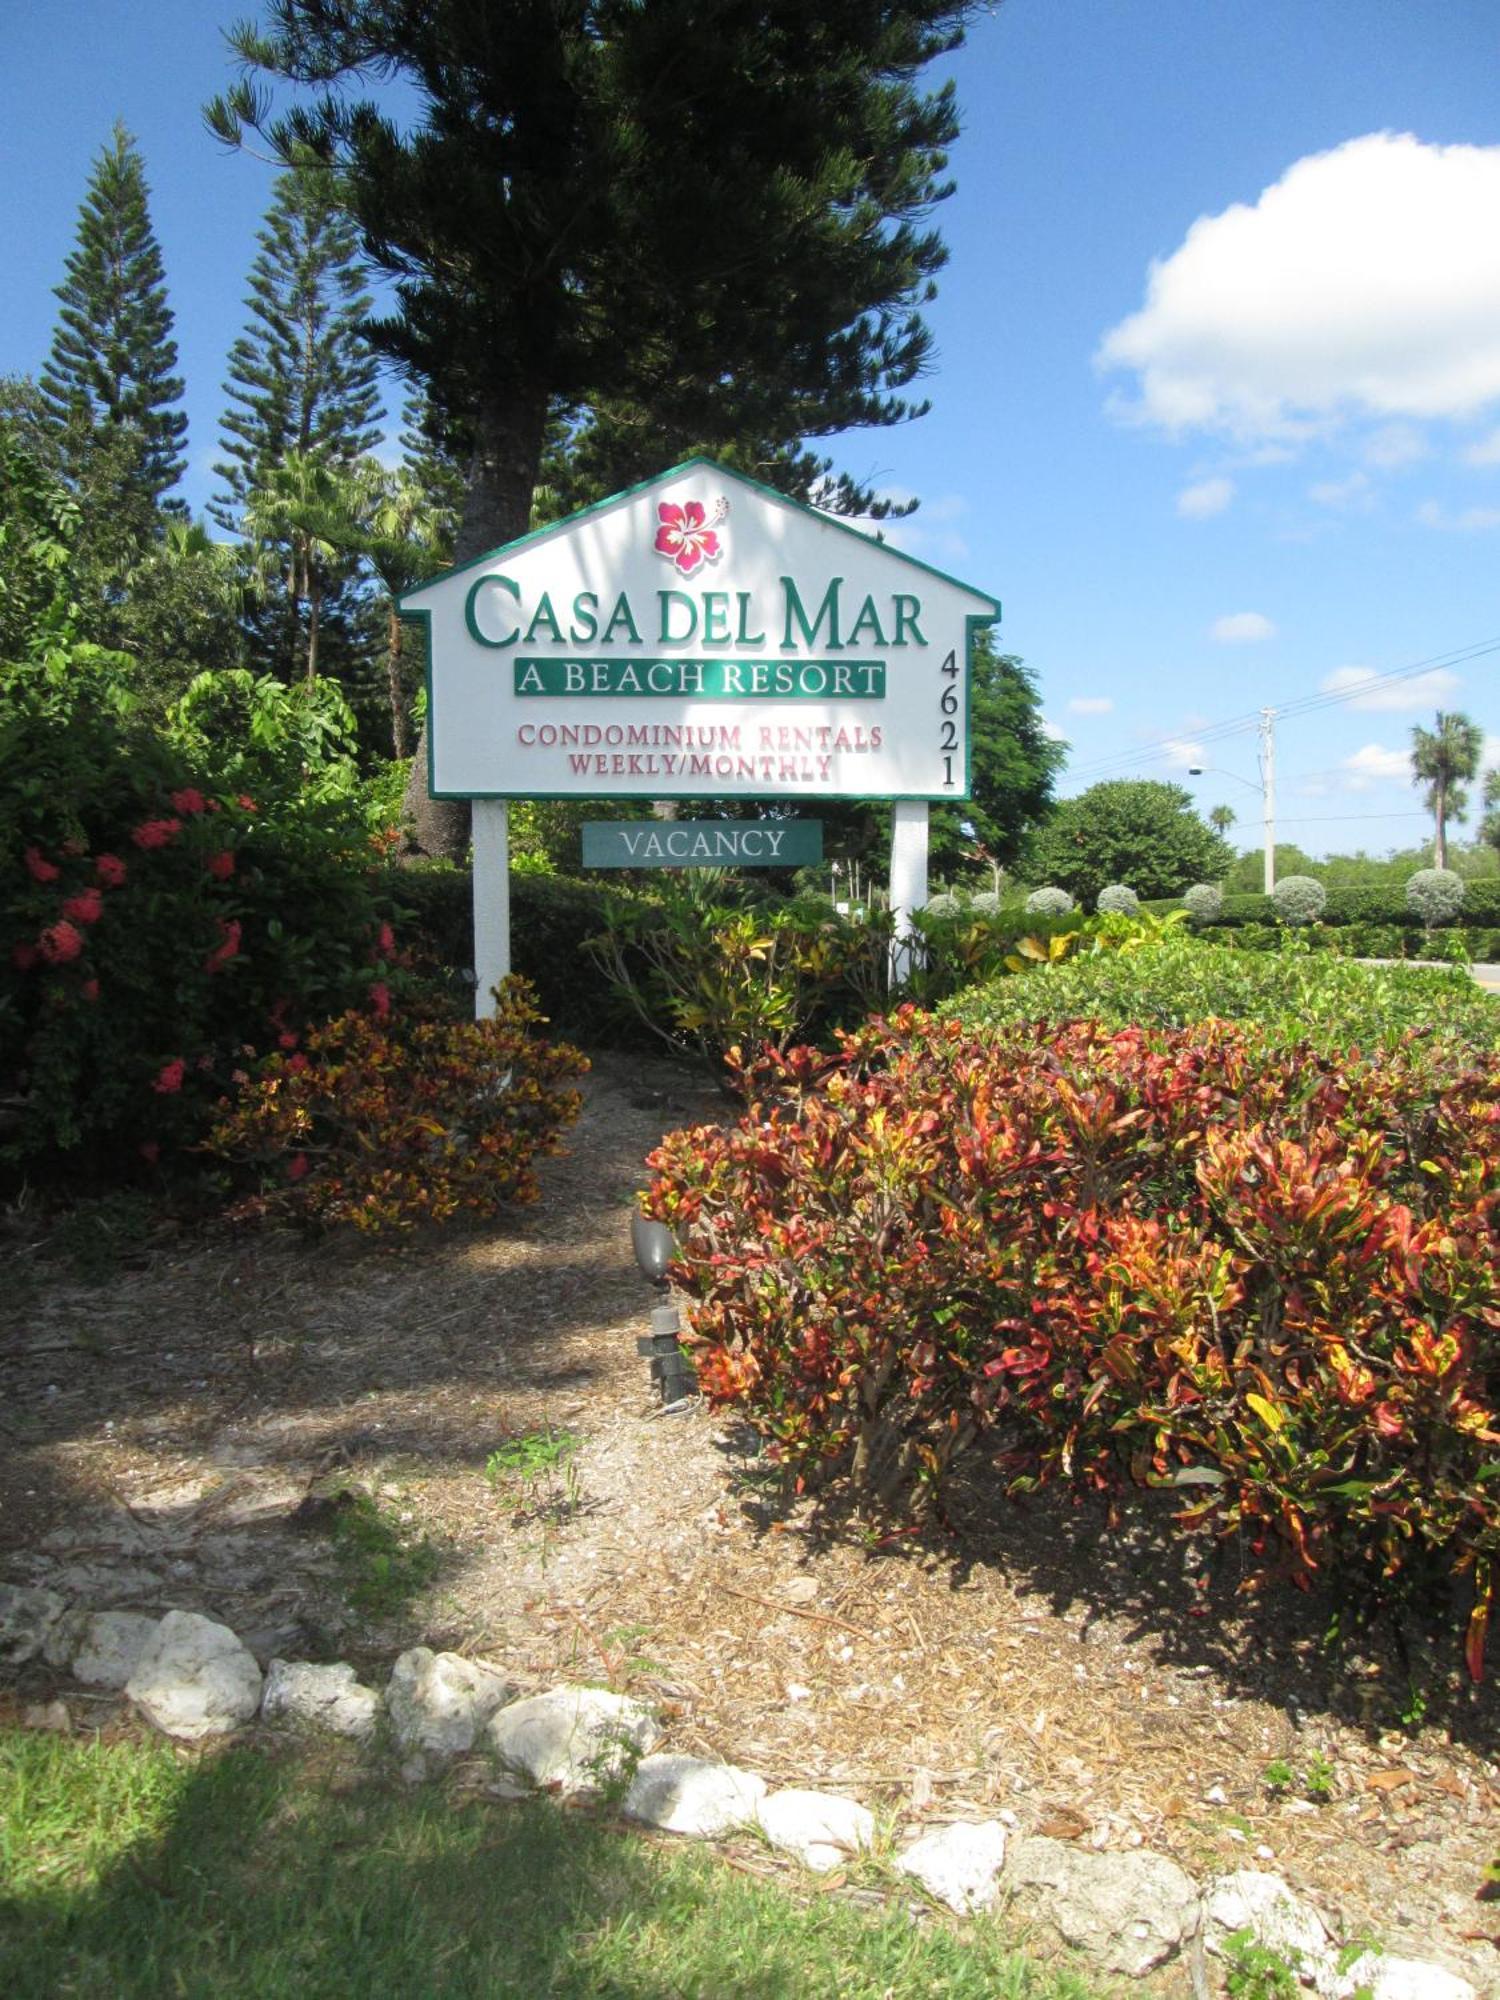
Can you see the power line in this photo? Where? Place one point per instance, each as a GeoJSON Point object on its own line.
{"type": "Point", "coordinates": [1155, 749]}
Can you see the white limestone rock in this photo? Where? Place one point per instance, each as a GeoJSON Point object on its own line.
{"type": "Point", "coordinates": [110, 1646]}
{"type": "Point", "coordinates": [1130, 1912]}
{"type": "Point", "coordinates": [575, 1739]}
{"type": "Point", "coordinates": [327, 1698]}
{"type": "Point", "coordinates": [693, 1796]}
{"type": "Point", "coordinates": [1390, 1978]}
{"type": "Point", "coordinates": [1262, 1904]}
{"type": "Point", "coordinates": [27, 1616]}
{"type": "Point", "coordinates": [821, 1829]}
{"type": "Point", "coordinates": [959, 1865]}
{"type": "Point", "coordinates": [194, 1678]}
{"type": "Point", "coordinates": [439, 1702]}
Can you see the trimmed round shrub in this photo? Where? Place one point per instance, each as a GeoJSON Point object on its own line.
{"type": "Point", "coordinates": [1299, 899]}
{"type": "Point", "coordinates": [986, 904]}
{"type": "Point", "coordinates": [1117, 901]}
{"type": "Point", "coordinates": [1435, 895]}
{"type": "Point", "coordinates": [942, 906]}
{"type": "Point", "coordinates": [1204, 902]}
{"type": "Point", "coordinates": [1048, 903]}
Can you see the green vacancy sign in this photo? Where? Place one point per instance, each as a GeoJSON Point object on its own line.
{"type": "Point", "coordinates": [702, 843]}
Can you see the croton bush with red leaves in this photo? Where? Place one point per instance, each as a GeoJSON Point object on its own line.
{"type": "Point", "coordinates": [1185, 1257]}
{"type": "Point", "coordinates": [386, 1123]}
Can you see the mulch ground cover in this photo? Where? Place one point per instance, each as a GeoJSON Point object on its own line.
{"type": "Point", "coordinates": [342, 1449]}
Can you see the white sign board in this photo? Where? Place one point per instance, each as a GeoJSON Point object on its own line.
{"type": "Point", "coordinates": [698, 636]}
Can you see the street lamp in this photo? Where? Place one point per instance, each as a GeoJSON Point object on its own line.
{"type": "Point", "coordinates": [1266, 788]}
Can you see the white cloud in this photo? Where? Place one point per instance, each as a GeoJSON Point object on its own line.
{"type": "Point", "coordinates": [1180, 752]}
{"type": "Point", "coordinates": [1429, 690]}
{"type": "Point", "coordinates": [1206, 498]}
{"type": "Point", "coordinates": [1468, 521]}
{"type": "Point", "coordinates": [929, 533]}
{"type": "Point", "coordinates": [1091, 704]}
{"type": "Point", "coordinates": [1486, 452]}
{"type": "Point", "coordinates": [1365, 281]}
{"type": "Point", "coordinates": [1374, 764]}
{"type": "Point", "coordinates": [1241, 628]}
{"type": "Point", "coordinates": [1395, 445]}
{"type": "Point", "coordinates": [1353, 494]}
{"type": "Point", "coordinates": [1052, 733]}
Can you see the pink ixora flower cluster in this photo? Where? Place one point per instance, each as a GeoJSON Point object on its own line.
{"type": "Point", "coordinates": [686, 537]}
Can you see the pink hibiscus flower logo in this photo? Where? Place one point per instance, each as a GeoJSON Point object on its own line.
{"type": "Point", "coordinates": [686, 537]}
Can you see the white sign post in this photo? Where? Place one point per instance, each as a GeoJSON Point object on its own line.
{"type": "Point", "coordinates": [699, 636]}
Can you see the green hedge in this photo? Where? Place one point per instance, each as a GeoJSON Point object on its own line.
{"type": "Point", "coordinates": [1360, 905]}
{"type": "Point", "coordinates": [550, 916]}
{"type": "Point", "coordinates": [1364, 940]}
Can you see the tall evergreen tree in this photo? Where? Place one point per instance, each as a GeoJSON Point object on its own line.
{"type": "Point", "coordinates": [717, 213]}
{"type": "Point", "coordinates": [302, 378]}
{"type": "Point", "coordinates": [110, 383]}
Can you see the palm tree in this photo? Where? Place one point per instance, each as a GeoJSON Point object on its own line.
{"type": "Point", "coordinates": [1489, 830]}
{"type": "Point", "coordinates": [286, 519]}
{"type": "Point", "coordinates": [394, 525]}
{"type": "Point", "coordinates": [1445, 759]}
{"type": "Point", "coordinates": [1222, 818]}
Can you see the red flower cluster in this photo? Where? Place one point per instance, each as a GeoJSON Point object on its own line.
{"type": "Point", "coordinates": [111, 870]}
{"type": "Point", "coordinates": [60, 943]}
{"type": "Point", "coordinates": [227, 948]}
{"type": "Point", "coordinates": [189, 800]}
{"type": "Point", "coordinates": [156, 833]}
{"type": "Point", "coordinates": [169, 1078]}
{"type": "Point", "coordinates": [221, 865]}
{"type": "Point", "coordinates": [39, 867]}
{"type": "Point", "coordinates": [85, 908]}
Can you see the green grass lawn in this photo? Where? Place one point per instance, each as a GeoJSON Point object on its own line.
{"type": "Point", "coordinates": [126, 1869]}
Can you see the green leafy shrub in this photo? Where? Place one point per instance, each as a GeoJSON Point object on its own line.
{"type": "Point", "coordinates": [1434, 895]}
{"type": "Point", "coordinates": [159, 931]}
{"type": "Point", "coordinates": [1049, 903]}
{"type": "Point", "coordinates": [1192, 1258]}
{"type": "Point", "coordinates": [985, 904]}
{"type": "Point", "coordinates": [1292, 993]}
{"type": "Point", "coordinates": [943, 906]}
{"type": "Point", "coordinates": [551, 916]}
{"type": "Point", "coordinates": [386, 1124]}
{"type": "Point", "coordinates": [1116, 900]}
{"type": "Point", "coordinates": [1299, 899]}
{"type": "Point", "coordinates": [1204, 902]}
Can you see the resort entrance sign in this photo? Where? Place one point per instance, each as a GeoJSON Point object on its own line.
{"type": "Point", "coordinates": [699, 636]}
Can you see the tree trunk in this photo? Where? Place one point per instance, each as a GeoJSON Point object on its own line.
{"type": "Point", "coordinates": [1440, 817]}
{"type": "Point", "coordinates": [399, 745]}
{"type": "Point", "coordinates": [314, 607]}
{"type": "Point", "coordinates": [497, 509]}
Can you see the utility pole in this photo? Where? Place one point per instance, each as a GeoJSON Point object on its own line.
{"type": "Point", "coordinates": [1268, 790]}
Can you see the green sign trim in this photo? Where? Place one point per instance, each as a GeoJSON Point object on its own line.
{"type": "Point", "coordinates": [702, 843]}
{"type": "Point", "coordinates": [704, 680]}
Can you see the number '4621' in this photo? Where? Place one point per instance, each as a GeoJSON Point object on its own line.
{"type": "Point", "coordinates": [948, 730]}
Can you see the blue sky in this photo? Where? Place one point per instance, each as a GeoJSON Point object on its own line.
{"type": "Point", "coordinates": [1216, 404]}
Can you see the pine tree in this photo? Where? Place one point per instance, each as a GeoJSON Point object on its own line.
{"type": "Point", "coordinates": [301, 376]}
{"type": "Point", "coordinates": [718, 216]}
{"type": "Point", "coordinates": [109, 384]}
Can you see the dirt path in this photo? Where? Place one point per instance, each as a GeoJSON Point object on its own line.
{"type": "Point", "coordinates": [166, 1439]}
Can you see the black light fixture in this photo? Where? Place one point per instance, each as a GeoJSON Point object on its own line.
{"type": "Point", "coordinates": [655, 1246]}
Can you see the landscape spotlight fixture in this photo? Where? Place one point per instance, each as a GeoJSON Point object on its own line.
{"type": "Point", "coordinates": [655, 1246]}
